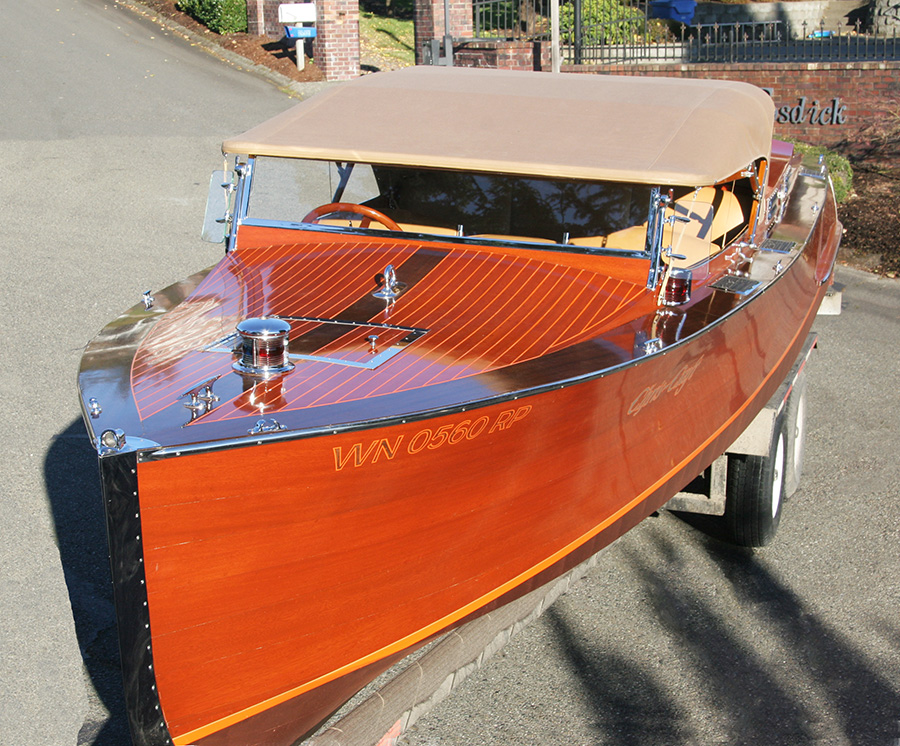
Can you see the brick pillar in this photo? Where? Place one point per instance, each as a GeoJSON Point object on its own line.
{"type": "Point", "coordinates": [336, 48]}
{"type": "Point", "coordinates": [262, 18]}
{"type": "Point", "coordinates": [429, 21]}
{"type": "Point", "coordinates": [254, 18]}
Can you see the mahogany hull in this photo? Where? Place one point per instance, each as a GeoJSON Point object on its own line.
{"type": "Point", "coordinates": [261, 582]}
{"type": "Point", "coordinates": [276, 569]}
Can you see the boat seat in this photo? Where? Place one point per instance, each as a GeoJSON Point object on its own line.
{"type": "Point", "coordinates": [595, 242]}
{"type": "Point", "coordinates": [407, 227]}
{"type": "Point", "coordinates": [631, 239]}
{"type": "Point", "coordinates": [432, 229]}
{"type": "Point", "coordinates": [697, 239]}
{"type": "Point", "coordinates": [693, 240]}
{"type": "Point", "coordinates": [728, 213]}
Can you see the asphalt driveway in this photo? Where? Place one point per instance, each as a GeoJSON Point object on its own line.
{"type": "Point", "coordinates": [109, 130]}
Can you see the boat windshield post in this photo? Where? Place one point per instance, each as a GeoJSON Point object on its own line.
{"type": "Point", "coordinates": [345, 170]}
{"type": "Point", "coordinates": [655, 223]}
{"type": "Point", "coordinates": [758, 174]}
{"type": "Point", "coordinates": [244, 172]}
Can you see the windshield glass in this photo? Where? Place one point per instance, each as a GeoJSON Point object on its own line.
{"type": "Point", "coordinates": [430, 201]}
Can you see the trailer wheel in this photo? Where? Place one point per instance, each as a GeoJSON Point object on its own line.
{"type": "Point", "coordinates": [755, 492]}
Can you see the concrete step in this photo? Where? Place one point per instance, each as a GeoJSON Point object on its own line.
{"type": "Point", "coordinates": [842, 15]}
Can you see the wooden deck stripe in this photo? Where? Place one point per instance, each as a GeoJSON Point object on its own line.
{"type": "Point", "coordinates": [473, 298]}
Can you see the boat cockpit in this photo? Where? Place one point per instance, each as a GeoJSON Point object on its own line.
{"type": "Point", "coordinates": [673, 227]}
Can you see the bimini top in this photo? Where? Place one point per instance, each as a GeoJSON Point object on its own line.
{"type": "Point", "coordinates": [671, 131]}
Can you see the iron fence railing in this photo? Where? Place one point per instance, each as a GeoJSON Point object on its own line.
{"type": "Point", "coordinates": [758, 41]}
{"type": "Point", "coordinates": [628, 34]}
{"type": "Point", "coordinates": [511, 20]}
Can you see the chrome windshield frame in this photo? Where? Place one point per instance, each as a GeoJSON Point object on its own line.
{"type": "Point", "coordinates": [244, 171]}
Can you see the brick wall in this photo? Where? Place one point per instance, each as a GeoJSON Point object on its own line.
{"type": "Point", "coordinates": [429, 21]}
{"type": "Point", "coordinates": [820, 103]}
{"type": "Point", "coordinates": [824, 104]}
{"type": "Point", "coordinates": [514, 55]}
{"type": "Point", "coordinates": [336, 47]}
{"type": "Point", "coordinates": [262, 18]}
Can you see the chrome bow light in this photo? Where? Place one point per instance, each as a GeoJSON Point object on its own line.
{"type": "Point", "coordinates": [264, 347]}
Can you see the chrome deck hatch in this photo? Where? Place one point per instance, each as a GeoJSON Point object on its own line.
{"type": "Point", "coordinates": [334, 341]}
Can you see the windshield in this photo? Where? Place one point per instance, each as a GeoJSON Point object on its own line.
{"type": "Point", "coordinates": [441, 202]}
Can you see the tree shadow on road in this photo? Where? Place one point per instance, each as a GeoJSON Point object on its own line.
{"type": "Point", "coordinates": [629, 708]}
{"type": "Point", "coordinates": [73, 485]}
{"type": "Point", "coordinates": [752, 696]}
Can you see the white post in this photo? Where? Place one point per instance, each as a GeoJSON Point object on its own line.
{"type": "Point", "coordinates": [301, 56]}
{"type": "Point", "coordinates": [554, 36]}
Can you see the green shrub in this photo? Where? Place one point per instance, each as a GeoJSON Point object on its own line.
{"type": "Point", "coordinates": [604, 21]}
{"type": "Point", "coordinates": [221, 16]}
{"type": "Point", "coordinates": [838, 167]}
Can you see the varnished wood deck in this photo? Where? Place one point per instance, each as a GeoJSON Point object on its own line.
{"type": "Point", "coordinates": [482, 311]}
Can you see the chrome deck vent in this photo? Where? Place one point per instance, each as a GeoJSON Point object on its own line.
{"type": "Point", "coordinates": [813, 172]}
{"type": "Point", "coordinates": [264, 347]}
{"type": "Point", "coordinates": [736, 285]}
{"type": "Point", "coordinates": [778, 245]}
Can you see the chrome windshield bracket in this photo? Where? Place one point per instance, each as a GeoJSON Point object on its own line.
{"type": "Point", "coordinates": [244, 174]}
{"type": "Point", "coordinates": [656, 219]}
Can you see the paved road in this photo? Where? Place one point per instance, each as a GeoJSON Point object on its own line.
{"type": "Point", "coordinates": [674, 638]}
{"type": "Point", "coordinates": [109, 130]}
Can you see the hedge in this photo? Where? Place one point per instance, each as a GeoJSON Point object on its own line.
{"type": "Point", "coordinates": [221, 16]}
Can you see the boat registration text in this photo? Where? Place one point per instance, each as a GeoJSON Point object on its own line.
{"type": "Point", "coordinates": [427, 438]}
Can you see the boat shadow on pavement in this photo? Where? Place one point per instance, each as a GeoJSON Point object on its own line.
{"type": "Point", "coordinates": [73, 485]}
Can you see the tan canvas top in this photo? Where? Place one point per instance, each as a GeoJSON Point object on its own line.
{"type": "Point", "coordinates": [598, 127]}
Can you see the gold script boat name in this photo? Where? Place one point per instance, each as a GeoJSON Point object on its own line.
{"type": "Point", "coordinates": [672, 386]}
{"type": "Point", "coordinates": [427, 438]}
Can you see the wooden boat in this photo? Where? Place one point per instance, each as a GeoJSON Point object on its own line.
{"type": "Point", "coordinates": [529, 310]}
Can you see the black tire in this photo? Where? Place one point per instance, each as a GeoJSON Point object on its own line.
{"type": "Point", "coordinates": [755, 492]}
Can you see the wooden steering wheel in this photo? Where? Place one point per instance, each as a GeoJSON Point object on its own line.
{"type": "Point", "coordinates": [368, 214]}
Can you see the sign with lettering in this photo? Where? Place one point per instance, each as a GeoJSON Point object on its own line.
{"type": "Point", "coordinates": [832, 113]}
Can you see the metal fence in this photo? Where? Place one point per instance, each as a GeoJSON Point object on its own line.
{"type": "Point", "coordinates": [512, 20]}
{"type": "Point", "coordinates": [628, 33]}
